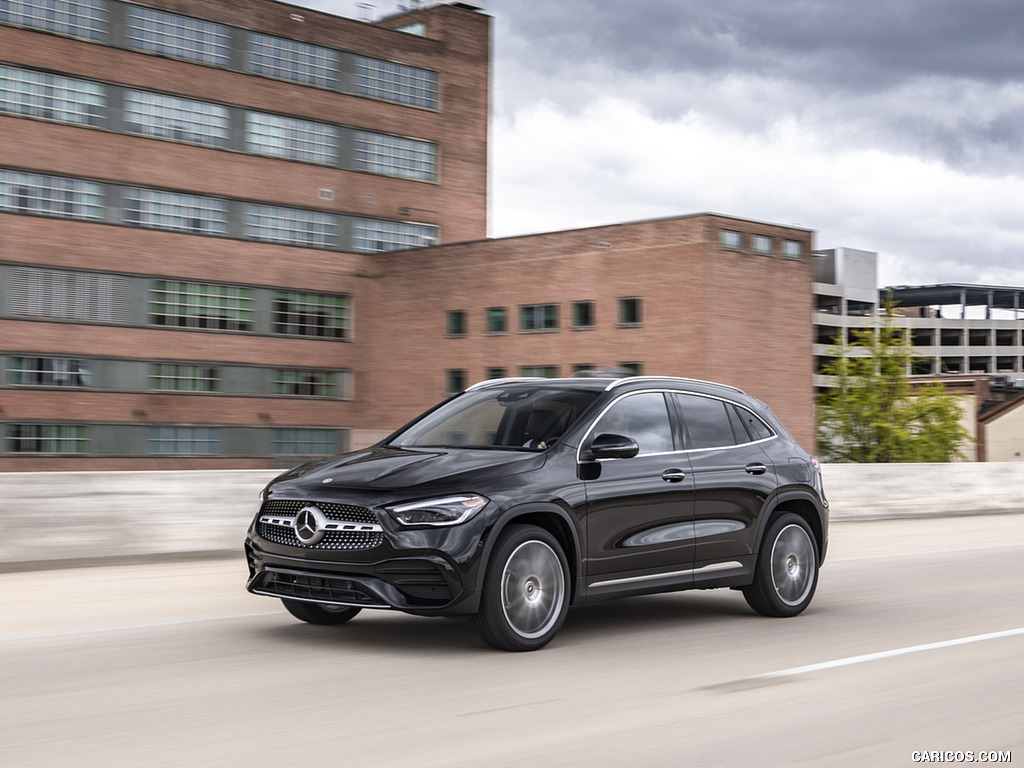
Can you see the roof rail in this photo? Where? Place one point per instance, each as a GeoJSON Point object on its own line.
{"type": "Point", "coordinates": [507, 380]}
{"type": "Point", "coordinates": [620, 382]}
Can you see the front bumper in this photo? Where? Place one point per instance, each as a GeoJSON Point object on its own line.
{"type": "Point", "coordinates": [423, 584]}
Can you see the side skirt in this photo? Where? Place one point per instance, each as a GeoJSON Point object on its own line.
{"type": "Point", "coordinates": [735, 572]}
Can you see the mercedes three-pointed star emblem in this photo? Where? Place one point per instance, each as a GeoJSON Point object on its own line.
{"type": "Point", "coordinates": [309, 525]}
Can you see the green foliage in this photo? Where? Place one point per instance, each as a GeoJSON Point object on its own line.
{"type": "Point", "coordinates": [873, 414]}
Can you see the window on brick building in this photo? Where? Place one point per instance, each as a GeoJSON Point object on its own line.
{"type": "Point", "coordinates": [631, 311]}
{"type": "Point", "coordinates": [762, 244]}
{"type": "Point", "coordinates": [419, 29]}
{"type": "Point", "coordinates": [183, 377]}
{"type": "Point", "coordinates": [538, 317]}
{"type": "Point", "coordinates": [634, 368]}
{"type": "Point", "coordinates": [184, 37]}
{"type": "Point", "coordinates": [455, 323]}
{"type": "Point", "coordinates": [497, 320]}
{"type": "Point", "coordinates": [154, 209]}
{"type": "Point", "coordinates": [496, 373]}
{"type": "Point", "coordinates": [172, 117]}
{"type": "Point", "coordinates": [455, 380]}
{"type": "Point", "coordinates": [44, 195]}
{"type": "Point", "coordinates": [304, 442]}
{"type": "Point", "coordinates": [310, 383]}
{"type": "Point", "coordinates": [311, 314]}
{"type": "Point", "coordinates": [583, 314]}
{"type": "Point", "coordinates": [78, 18]}
{"type": "Point", "coordinates": [49, 372]}
{"type": "Point", "coordinates": [291, 226]}
{"type": "Point", "coordinates": [201, 305]}
{"type": "Point", "coordinates": [394, 156]}
{"type": "Point", "coordinates": [46, 438]}
{"type": "Point", "coordinates": [293, 60]}
{"type": "Point", "coordinates": [184, 440]}
{"type": "Point", "coordinates": [544, 371]}
{"type": "Point", "coordinates": [400, 83]}
{"type": "Point", "coordinates": [52, 97]}
{"type": "Point", "coordinates": [380, 235]}
{"type": "Point", "coordinates": [792, 249]}
{"type": "Point", "coordinates": [729, 238]}
{"type": "Point", "coordinates": [291, 138]}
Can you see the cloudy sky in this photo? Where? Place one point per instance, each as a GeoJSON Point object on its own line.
{"type": "Point", "coordinates": [895, 126]}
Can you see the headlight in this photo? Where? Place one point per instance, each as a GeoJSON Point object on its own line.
{"type": "Point", "coordinates": [449, 510]}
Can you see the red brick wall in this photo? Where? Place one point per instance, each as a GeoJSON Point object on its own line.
{"type": "Point", "coordinates": [735, 317]}
{"type": "Point", "coordinates": [460, 54]}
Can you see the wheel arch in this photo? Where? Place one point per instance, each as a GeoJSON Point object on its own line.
{"type": "Point", "coordinates": [553, 519]}
{"type": "Point", "coordinates": [801, 503]}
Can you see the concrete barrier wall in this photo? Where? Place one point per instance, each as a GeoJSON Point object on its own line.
{"type": "Point", "coordinates": [49, 518]}
{"type": "Point", "coordinates": [883, 491]}
{"type": "Point", "coordinates": [53, 518]}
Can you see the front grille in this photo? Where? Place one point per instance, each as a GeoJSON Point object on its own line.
{"type": "Point", "coordinates": [322, 589]}
{"type": "Point", "coordinates": [276, 524]}
{"type": "Point", "coordinates": [333, 511]}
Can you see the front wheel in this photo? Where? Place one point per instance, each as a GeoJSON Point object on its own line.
{"type": "Point", "coordinates": [320, 613]}
{"type": "Point", "coordinates": [525, 595]}
{"type": "Point", "coordinates": [786, 573]}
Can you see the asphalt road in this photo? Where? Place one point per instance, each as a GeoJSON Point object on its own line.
{"type": "Point", "coordinates": [914, 643]}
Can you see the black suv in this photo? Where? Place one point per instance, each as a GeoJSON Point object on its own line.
{"type": "Point", "coordinates": [519, 497]}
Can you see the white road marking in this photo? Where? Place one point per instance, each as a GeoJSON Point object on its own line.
{"type": "Point", "coordinates": [849, 660]}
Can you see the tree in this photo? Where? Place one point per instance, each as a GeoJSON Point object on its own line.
{"type": "Point", "coordinates": [873, 413]}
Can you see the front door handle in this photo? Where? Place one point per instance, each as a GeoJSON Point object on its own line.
{"type": "Point", "coordinates": [756, 469]}
{"type": "Point", "coordinates": [673, 475]}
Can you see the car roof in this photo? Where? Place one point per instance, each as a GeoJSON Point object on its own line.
{"type": "Point", "coordinates": [608, 383]}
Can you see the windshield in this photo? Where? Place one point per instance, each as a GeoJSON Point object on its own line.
{"type": "Point", "coordinates": [507, 418]}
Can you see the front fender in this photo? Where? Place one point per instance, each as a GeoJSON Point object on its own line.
{"type": "Point", "coordinates": [546, 515]}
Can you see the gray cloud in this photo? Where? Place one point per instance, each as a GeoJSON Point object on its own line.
{"type": "Point", "coordinates": [890, 125]}
{"type": "Point", "coordinates": [853, 46]}
{"type": "Point", "coordinates": [932, 76]}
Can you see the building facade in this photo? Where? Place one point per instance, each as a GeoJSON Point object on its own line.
{"type": "Point", "coordinates": [188, 193]}
{"type": "Point", "coordinates": [702, 296]}
{"type": "Point", "coordinates": [237, 235]}
{"type": "Point", "coordinates": [968, 337]}
{"type": "Point", "coordinates": [956, 328]}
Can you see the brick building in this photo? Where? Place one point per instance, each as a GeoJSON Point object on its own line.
{"type": "Point", "coordinates": [702, 296]}
{"type": "Point", "coordinates": [240, 234]}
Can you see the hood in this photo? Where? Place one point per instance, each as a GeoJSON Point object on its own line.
{"type": "Point", "coordinates": [386, 468]}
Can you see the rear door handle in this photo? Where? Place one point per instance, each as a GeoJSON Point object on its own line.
{"type": "Point", "coordinates": [673, 475]}
{"type": "Point", "coordinates": [756, 469]}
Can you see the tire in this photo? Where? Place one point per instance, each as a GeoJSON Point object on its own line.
{"type": "Point", "coordinates": [786, 573]}
{"type": "Point", "coordinates": [526, 593]}
{"type": "Point", "coordinates": [320, 613]}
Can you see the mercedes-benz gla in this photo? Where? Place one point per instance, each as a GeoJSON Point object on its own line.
{"type": "Point", "coordinates": [518, 498]}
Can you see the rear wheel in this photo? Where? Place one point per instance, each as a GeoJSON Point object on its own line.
{"type": "Point", "coordinates": [786, 573]}
{"type": "Point", "coordinates": [525, 596]}
{"type": "Point", "coordinates": [320, 613]}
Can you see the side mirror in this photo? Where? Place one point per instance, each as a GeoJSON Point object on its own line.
{"type": "Point", "coordinates": [613, 447]}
